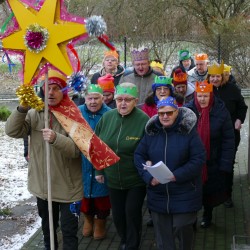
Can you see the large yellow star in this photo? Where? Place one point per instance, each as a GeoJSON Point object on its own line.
{"type": "Point", "coordinates": [60, 33]}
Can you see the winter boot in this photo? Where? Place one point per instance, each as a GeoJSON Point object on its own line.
{"type": "Point", "coordinates": [88, 224]}
{"type": "Point", "coordinates": [99, 229]}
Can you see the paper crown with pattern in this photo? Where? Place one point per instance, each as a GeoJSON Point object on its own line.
{"type": "Point", "coordinates": [111, 53]}
{"type": "Point", "coordinates": [140, 54]}
{"type": "Point", "coordinates": [203, 87]}
{"type": "Point", "coordinates": [184, 54]}
{"type": "Point", "coordinates": [179, 77]}
{"type": "Point", "coordinates": [155, 64]}
{"type": "Point", "coordinates": [106, 83]}
{"type": "Point", "coordinates": [201, 57]}
{"type": "Point", "coordinates": [163, 80]}
{"type": "Point", "coordinates": [216, 69]}
{"type": "Point", "coordinates": [227, 68]}
{"type": "Point", "coordinates": [169, 101]}
{"type": "Point", "coordinates": [126, 89]}
{"type": "Point", "coordinates": [94, 89]}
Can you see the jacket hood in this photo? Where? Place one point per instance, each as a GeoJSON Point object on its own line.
{"type": "Point", "coordinates": [190, 67]}
{"type": "Point", "coordinates": [184, 123]}
{"type": "Point", "coordinates": [190, 89]}
{"type": "Point", "coordinates": [101, 111]}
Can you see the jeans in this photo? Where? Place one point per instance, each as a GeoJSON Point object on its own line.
{"type": "Point", "coordinates": [68, 221]}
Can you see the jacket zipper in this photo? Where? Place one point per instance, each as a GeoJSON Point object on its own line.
{"type": "Point", "coordinates": [117, 143]}
{"type": "Point", "coordinates": [165, 160]}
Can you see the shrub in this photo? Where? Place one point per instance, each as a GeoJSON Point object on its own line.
{"type": "Point", "coordinates": [4, 113]}
{"type": "Point", "coordinates": [5, 212]}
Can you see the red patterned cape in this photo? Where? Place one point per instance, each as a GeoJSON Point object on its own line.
{"type": "Point", "coordinates": [94, 149]}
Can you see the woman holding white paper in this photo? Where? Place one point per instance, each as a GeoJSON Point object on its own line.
{"type": "Point", "coordinates": [171, 137]}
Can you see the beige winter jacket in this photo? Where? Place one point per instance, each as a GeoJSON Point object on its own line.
{"type": "Point", "coordinates": [65, 161]}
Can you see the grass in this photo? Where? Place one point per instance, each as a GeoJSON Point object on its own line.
{"type": "Point", "coordinates": [5, 212]}
{"type": "Point", "coordinates": [4, 113]}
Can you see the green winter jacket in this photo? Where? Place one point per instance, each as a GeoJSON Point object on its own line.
{"type": "Point", "coordinates": [122, 134]}
{"type": "Point", "coordinates": [65, 161]}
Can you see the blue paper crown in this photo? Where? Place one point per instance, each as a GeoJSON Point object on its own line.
{"type": "Point", "coordinates": [169, 101]}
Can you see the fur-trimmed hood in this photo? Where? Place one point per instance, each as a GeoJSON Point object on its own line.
{"type": "Point", "coordinates": [184, 123]}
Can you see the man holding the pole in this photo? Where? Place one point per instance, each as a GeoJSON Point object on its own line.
{"type": "Point", "coordinates": [65, 162]}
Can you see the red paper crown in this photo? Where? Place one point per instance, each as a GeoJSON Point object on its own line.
{"type": "Point", "coordinates": [106, 83]}
{"type": "Point", "coordinates": [179, 77]}
{"type": "Point", "coordinates": [203, 87]}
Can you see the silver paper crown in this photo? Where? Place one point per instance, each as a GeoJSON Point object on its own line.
{"type": "Point", "coordinates": [140, 54]}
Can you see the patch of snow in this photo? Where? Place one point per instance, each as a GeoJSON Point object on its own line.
{"type": "Point", "coordinates": [17, 241]}
{"type": "Point", "coordinates": [13, 187]}
{"type": "Point", "coordinates": [13, 171]}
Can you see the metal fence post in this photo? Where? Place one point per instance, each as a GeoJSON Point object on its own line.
{"type": "Point", "coordinates": [219, 48]}
{"type": "Point", "coordinates": [125, 51]}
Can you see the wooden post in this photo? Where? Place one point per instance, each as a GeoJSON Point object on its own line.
{"type": "Point", "coordinates": [248, 159]}
{"type": "Point", "coordinates": [46, 120]}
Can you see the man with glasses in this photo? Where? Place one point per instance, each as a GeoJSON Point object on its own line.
{"type": "Point", "coordinates": [142, 75]}
{"type": "Point", "coordinates": [171, 137]}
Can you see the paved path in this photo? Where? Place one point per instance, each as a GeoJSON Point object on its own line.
{"type": "Point", "coordinates": [227, 223]}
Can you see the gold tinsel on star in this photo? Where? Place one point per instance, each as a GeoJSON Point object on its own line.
{"type": "Point", "coordinates": [28, 98]}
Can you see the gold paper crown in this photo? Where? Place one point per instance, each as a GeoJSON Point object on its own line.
{"type": "Point", "coordinates": [227, 68]}
{"type": "Point", "coordinates": [203, 87]}
{"type": "Point", "coordinates": [140, 54]}
{"type": "Point", "coordinates": [216, 69]}
{"type": "Point", "coordinates": [155, 64]}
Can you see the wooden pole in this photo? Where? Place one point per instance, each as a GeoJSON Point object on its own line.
{"type": "Point", "coordinates": [46, 120]}
{"type": "Point", "coordinates": [248, 158]}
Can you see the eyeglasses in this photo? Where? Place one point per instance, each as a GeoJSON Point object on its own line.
{"type": "Point", "coordinates": [127, 100]}
{"type": "Point", "coordinates": [168, 113]}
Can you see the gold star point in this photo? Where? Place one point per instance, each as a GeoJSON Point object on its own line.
{"type": "Point", "coordinates": [60, 33]}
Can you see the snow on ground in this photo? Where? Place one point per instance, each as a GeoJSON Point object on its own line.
{"type": "Point", "coordinates": [13, 187]}
{"type": "Point", "coordinates": [17, 241]}
{"type": "Point", "coordinates": [13, 171]}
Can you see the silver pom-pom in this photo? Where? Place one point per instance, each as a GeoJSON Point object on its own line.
{"type": "Point", "coordinates": [96, 26]}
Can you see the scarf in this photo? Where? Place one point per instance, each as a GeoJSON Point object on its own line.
{"type": "Point", "coordinates": [203, 129]}
{"type": "Point", "coordinates": [93, 148]}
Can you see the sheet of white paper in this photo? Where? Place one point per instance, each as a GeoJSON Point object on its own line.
{"type": "Point", "coordinates": [160, 171]}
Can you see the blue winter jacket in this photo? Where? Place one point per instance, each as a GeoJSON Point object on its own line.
{"type": "Point", "coordinates": [92, 188]}
{"type": "Point", "coordinates": [181, 149]}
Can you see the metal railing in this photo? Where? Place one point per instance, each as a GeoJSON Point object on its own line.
{"type": "Point", "coordinates": [245, 92]}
